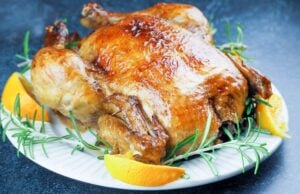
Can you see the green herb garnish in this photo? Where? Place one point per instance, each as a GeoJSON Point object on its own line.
{"type": "Point", "coordinates": [262, 101]}
{"type": "Point", "coordinates": [27, 135]}
{"type": "Point", "coordinates": [234, 46]}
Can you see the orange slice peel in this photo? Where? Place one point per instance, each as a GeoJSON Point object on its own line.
{"type": "Point", "coordinates": [270, 118]}
{"type": "Point", "coordinates": [18, 85]}
{"type": "Point", "coordinates": [137, 173]}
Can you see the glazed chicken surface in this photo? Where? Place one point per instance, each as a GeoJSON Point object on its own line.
{"type": "Point", "coordinates": [145, 80]}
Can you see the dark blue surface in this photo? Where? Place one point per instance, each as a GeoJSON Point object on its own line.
{"type": "Point", "coordinates": [272, 32]}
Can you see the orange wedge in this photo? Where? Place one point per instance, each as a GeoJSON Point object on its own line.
{"type": "Point", "coordinates": [17, 84]}
{"type": "Point", "coordinates": [270, 118]}
{"type": "Point", "coordinates": [141, 174]}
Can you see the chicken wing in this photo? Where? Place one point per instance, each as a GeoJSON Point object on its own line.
{"type": "Point", "coordinates": [60, 80]}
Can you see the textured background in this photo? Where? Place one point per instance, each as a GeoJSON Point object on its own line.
{"type": "Point", "coordinates": [272, 32]}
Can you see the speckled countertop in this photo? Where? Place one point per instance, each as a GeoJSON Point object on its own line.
{"type": "Point", "coordinates": [272, 32]}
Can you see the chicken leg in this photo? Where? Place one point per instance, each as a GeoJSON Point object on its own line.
{"type": "Point", "coordinates": [60, 80]}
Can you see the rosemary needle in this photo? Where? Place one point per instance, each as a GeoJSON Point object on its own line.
{"type": "Point", "coordinates": [26, 45]}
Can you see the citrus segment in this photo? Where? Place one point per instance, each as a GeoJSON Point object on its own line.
{"type": "Point", "coordinates": [141, 174]}
{"type": "Point", "coordinates": [17, 84]}
{"type": "Point", "coordinates": [269, 118]}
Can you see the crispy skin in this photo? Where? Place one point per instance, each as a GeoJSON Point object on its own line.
{"type": "Point", "coordinates": [183, 15]}
{"type": "Point", "coordinates": [175, 76]}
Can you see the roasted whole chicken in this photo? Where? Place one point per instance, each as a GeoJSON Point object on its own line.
{"type": "Point", "coordinates": [144, 80]}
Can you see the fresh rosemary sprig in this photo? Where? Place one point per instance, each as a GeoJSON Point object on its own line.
{"type": "Point", "coordinates": [27, 135]}
{"type": "Point", "coordinates": [234, 47]}
{"type": "Point", "coordinates": [241, 142]}
{"type": "Point", "coordinates": [26, 61]}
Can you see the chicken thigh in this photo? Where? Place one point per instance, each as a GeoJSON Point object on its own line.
{"type": "Point", "coordinates": [60, 81]}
